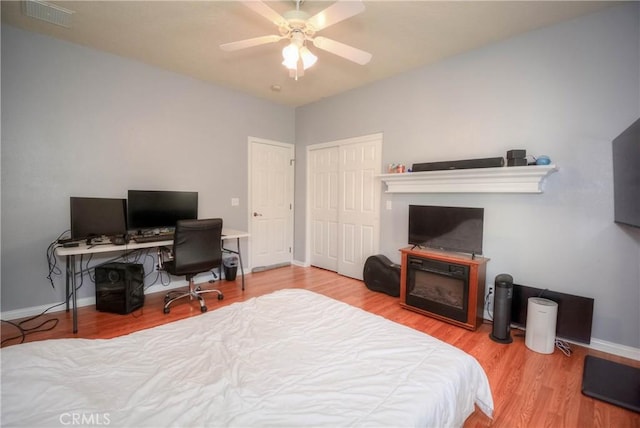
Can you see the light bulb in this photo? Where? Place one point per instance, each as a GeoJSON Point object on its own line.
{"type": "Point", "coordinates": [291, 55]}
{"type": "Point", "coordinates": [308, 58]}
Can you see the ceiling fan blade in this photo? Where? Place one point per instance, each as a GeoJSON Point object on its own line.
{"type": "Point", "coordinates": [339, 11]}
{"type": "Point", "coordinates": [248, 43]}
{"type": "Point", "coordinates": [345, 51]}
{"type": "Point", "coordinates": [264, 10]}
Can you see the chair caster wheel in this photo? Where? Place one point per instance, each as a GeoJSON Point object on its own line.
{"type": "Point", "coordinates": [203, 308]}
{"type": "Point", "coordinates": [220, 296]}
{"type": "Point", "coordinates": [166, 310]}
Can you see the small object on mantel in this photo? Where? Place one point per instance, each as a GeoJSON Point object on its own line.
{"type": "Point", "coordinates": [543, 160]}
{"type": "Point", "coordinates": [517, 162]}
{"type": "Point", "coordinates": [517, 157]}
{"type": "Point", "coordinates": [396, 168]}
{"type": "Point", "coordinates": [516, 154]}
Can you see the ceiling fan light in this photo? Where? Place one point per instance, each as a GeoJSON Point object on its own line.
{"type": "Point", "coordinates": [308, 58]}
{"type": "Point", "coordinates": [291, 55]}
{"type": "Point", "coordinates": [290, 64]}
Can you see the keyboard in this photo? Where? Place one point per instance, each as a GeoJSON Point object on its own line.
{"type": "Point", "coordinates": [141, 239]}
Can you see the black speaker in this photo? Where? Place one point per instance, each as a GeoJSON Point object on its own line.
{"type": "Point", "coordinates": [516, 154]}
{"type": "Point", "coordinates": [119, 287]}
{"type": "Point", "coordinates": [502, 309]}
{"type": "Point", "coordinates": [517, 162]}
{"type": "Point", "coordinates": [459, 164]}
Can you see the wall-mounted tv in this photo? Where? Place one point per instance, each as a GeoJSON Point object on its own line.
{"type": "Point", "coordinates": [155, 209]}
{"type": "Point", "coordinates": [457, 229]}
{"type": "Point", "coordinates": [626, 176]}
{"type": "Point", "coordinates": [95, 217]}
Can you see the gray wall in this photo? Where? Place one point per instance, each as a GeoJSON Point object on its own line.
{"type": "Point", "coordinates": [81, 122]}
{"type": "Point", "coordinates": [565, 91]}
{"type": "Point", "coordinates": [78, 122]}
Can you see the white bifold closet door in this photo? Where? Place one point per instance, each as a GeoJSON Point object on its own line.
{"type": "Point", "coordinates": [345, 203]}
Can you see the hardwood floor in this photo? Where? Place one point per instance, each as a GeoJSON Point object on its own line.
{"type": "Point", "coordinates": [529, 389]}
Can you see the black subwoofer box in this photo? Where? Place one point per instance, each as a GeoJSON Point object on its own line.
{"type": "Point", "coordinates": [119, 287]}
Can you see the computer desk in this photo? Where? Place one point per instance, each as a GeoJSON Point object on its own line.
{"type": "Point", "coordinates": [70, 254]}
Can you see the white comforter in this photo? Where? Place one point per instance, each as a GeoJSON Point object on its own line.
{"type": "Point", "coordinates": [290, 358]}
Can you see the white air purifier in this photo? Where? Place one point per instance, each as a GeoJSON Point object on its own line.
{"type": "Point", "coordinates": [540, 334]}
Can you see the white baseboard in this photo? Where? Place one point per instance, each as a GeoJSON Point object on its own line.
{"type": "Point", "coordinates": [37, 310]}
{"type": "Point", "coordinates": [81, 302]}
{"type": "Point", "coordinates": [615, 349]}
{"type": "Point", "coordinates": [598, 345]}
{"type": "Point", "coordinates": [91, 301]}
{"type": "Point", "coordinates": [299, 263]}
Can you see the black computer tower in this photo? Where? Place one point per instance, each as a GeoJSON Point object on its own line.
{"type": "Point", "coordinates": [119, 287]}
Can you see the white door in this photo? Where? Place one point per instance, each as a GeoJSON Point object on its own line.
{"type": "Point", "coordinates": [323, 207]}
{"type": "Point", "coordinates": [359, 206]}
{"type": "Point", "coordinates": [344, 204]}
{"type": "Point", "coordinates": [271, 175]}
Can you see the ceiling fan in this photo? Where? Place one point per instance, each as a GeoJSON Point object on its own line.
{"type": "Point", "coordinates": [298, 27]}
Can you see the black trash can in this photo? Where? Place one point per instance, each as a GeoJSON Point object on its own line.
{"type": "Point", "coordinates": [230, 266]}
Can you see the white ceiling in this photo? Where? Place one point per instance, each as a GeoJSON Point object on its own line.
{"type": "Point", "coordinates": [183, 36]}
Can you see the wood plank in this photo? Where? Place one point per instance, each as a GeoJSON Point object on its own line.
{"type": "Point", "coordinates": [529, 389]}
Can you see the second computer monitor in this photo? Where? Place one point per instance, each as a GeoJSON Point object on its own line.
{"type": "Point", "coordinates": [96, 217]}
{"type": "Point", "coordinates": [156, 209]}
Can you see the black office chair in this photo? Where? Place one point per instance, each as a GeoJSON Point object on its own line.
{"type": "Point", "coordinates": [197, 248]}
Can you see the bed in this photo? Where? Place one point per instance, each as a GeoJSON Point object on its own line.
{"type": "Point", "coordinates": [289, 358]}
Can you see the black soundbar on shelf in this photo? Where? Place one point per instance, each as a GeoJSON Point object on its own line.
{"type": "Point", "coordinates": [459, 164]}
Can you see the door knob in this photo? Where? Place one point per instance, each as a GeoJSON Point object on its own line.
{"type": "Point", "coordinates": [257, 215]}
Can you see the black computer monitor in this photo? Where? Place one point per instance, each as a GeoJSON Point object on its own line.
{"type": "Point", "coordinates": [92, 217]}
{"type": "Point", "coordinates": [155, 209]}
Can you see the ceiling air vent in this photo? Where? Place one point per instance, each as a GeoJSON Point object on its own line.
{"type": "Point", "coordinates": [48, 12]}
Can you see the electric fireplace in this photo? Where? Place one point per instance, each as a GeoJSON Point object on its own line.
{"type": "Point", "coordinates": [443, 285]}
{"type": "Point", "coordinates": [438, 287]}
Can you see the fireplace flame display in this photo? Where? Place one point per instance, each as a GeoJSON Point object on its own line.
{"type": "Point", "coordinates": [438, 287]}
{"type": "Point", "coordinates": [445, 290]}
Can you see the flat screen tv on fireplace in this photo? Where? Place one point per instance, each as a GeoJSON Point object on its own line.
{"type": "Point", "coordinates": [457, 229]}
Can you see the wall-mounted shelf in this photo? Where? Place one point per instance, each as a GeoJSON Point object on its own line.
{"type": "Point", "coordinates": [513, 179]}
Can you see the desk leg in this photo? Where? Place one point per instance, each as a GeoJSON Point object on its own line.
{"type": "Point", "coordinates": [74, 297]}
{"type": "Point", "coordinates": [66, 280]}
{"type": "Point", "coordinates": [240, 260]}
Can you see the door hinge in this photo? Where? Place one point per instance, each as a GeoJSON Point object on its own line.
{"type": "Point", "coordinates": [289, 249]}
{"type": "Point", "coordinates": [291, 162]}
